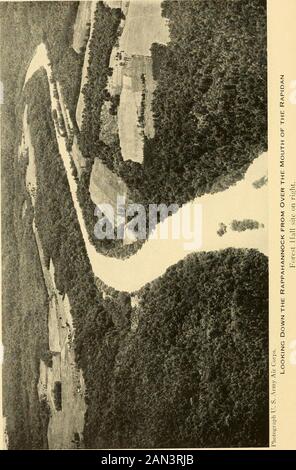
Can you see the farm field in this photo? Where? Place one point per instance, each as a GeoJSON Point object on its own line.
{"type": "Point", "coordinates": [159, 339]}
{"type": "Point", "coordinates": [132, 78]}
{"type": "Point", "coordinates": [81, 28]}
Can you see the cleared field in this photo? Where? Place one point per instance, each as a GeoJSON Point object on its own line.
{"type": "Point", "coordinates": [130, 133]}
{"type": "Point", "coordinates": [113, 3]}
{"type": "Point", "coordinates": [26, 150]}
{"type": "Point", "coordinates": [104, 185]}
{"type": "Point", "coordinates": [149, 87]}
{"type": "Point", "coordinates": [144, 25]}
{"type": "Point", "coordinates": [162, 253]}
{"type": "Point", "coordinates": [53, 327]}
{"type": "Point", "coordinates": [138, 84]}
{"type": "Point", "coordinates": [131, 61]}
{"type": "Point", "coordinates": [81, 27]}
{"type": "Point", "coordinates": [64, 424]}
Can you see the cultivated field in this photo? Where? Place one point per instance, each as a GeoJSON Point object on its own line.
{"type": "Point", "coordinates": [81, 25]}
{"type": "Point", "coordinates": [104, 185]}
{"type": "Point", "coordinates": [132, 74]}
{"type": "Point", "coordinates": [68, 422]}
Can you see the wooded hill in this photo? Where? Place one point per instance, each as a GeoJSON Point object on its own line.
{"type": "Point", "coordinates": [209, 106]}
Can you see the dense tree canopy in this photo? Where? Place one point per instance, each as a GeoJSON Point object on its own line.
{"type": "Point", "coordinates": [24, 25]}
{"type": "Point", "coordinates": [196, 365]}
{"type": "Point", "coordinates": [194, 372]}
{"type": "Point", "coordinates": [209, 106]}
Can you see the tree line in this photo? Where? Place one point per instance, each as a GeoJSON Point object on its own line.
{"type": "Point", "coordinates": [209, 106]}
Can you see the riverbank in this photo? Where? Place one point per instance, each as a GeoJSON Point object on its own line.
{"type": "Point", "coordinates": [66, 422]}
{"type": "Point", "coordinates": [241, 201]}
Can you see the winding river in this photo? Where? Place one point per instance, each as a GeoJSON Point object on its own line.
{"type": "Point", "coordinates": [240, 201]}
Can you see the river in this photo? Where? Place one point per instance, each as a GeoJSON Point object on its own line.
{"type": "Point", "coordinates": [241, 201]}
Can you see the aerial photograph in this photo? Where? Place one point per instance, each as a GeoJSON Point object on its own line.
{"type": "Point", "coordinates": [134, 186]}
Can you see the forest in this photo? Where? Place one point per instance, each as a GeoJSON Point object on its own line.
{"type": "Point", "coordinates": [24, 301]}
{"type": "Point", "coordinates": [67, 64]}
{"type": "Point", "coordinates": [201, 346]}
{"type": "Point", "coordinates": [105, 32]}
{"type": "Point", "coordinates": [209, 106]}
{"type": "Point", "coordinates": [194, 372]}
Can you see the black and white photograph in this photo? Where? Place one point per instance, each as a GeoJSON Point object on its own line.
{"type": "Point", "coordinates": [135, 224]}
